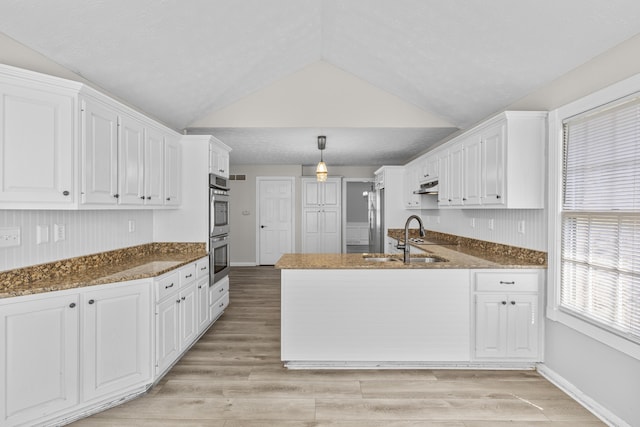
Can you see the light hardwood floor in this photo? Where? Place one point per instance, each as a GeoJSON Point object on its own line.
{"type": "Point", "coordinates": [233, 377]}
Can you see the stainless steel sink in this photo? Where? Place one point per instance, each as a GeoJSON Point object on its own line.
{"type": "Point", "coordinates": [381, 259]}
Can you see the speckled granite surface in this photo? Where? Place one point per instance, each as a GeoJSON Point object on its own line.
{"type": "Point", "coordinates": [136, 262]}
{"type": "Point", "coordinates": [456, 252]}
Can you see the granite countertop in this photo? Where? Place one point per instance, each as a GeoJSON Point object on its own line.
{"type": "Point", "coordinates": [138, 262]}
{"type": "Point", "coordinates": [454, 251]}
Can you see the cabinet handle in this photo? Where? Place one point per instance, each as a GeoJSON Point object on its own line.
{"type": "Point", "coordinates": [91, 301]}
{"type": "Point", "coordinates": [200, 287]}
{"type": "Point", "coordinates": [73, 304]}
{"type": "Point", "coordinates": [504, 303]}
{"type": "Point", "coordinates": [203, 268]}
{"type": "Point", "coordinates": [116, 195]}
{"type": "Point", "coordinates": [221, 305]}
{"type": "Point", "coordinates": [502, 282]}
{"type": "Point", "coordinates": [513, 303]}
{"type": "Point", "coordinates": [497, 196]}
{"type": "Point", "coordinates": [169, 286]}
{"type": "Point", "coordinates": [221, 290]}
{"type": "Point", "coordinates": [183, 298]}
{"type": "Point", "coordinates": [148, 197]}
{"type": "Point", "coordinates": [142, 197]}
{"type": "Point", "coordinates": [178, 301]}
{"type": "Point", "coordinates": [65, 193]}
{"type": "Point", "coordinates": [464, 199]}
{"type": "Point", "coordinates": [188, 275]}
{"type": "Point", "coordinates": [168, 199]}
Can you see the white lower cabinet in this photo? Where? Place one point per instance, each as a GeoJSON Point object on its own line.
{"type": "Point", "coordinates": [39, 362]}
{"type": "Point", "coordinates": [116, 338]}
{"type": "Point", "coordinates": [180, 302]}
{"type": "Point", "coordinates": [507, 319]}
{"type": "Point", "coordinates": [67, 350]}
{"type": "Point", "coordinates": [218, 298]}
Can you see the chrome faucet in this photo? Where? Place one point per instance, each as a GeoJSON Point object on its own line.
{"type": "Point", "coordinates": [406, 245]}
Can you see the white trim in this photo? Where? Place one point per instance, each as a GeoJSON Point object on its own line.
{"type": "Point", "coordinates": [293, 211]}
{"type": "Point", "coordinates": [344, 206]}
{"type": "Point", "coordinates": [518, 366]}
{"type": "Point", "coordinates": [575, 393]}
{"type": "Point", "coordinates": [611, 93]}
{"type": "Point", "coordinates": [243, 264]}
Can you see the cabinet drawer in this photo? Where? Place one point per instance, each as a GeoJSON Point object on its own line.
{"type": "Point", "coordinates": [187, 274]}
{"type": "Point", "coordinates": [216, 309]}
{"type": "Point", "coordinates": [506, 282]}
{"type": "Point", "coordinates": [216, 291]}
{"type": "Point", "coordinates": [167, 285]}
{"type": "Point", "coordinates": [202, 268]}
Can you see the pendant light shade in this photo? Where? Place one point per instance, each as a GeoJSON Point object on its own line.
{"type": "Point", "coordinates": [321, 169]}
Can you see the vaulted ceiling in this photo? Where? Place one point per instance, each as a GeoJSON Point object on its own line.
{"type": "Point", "coordinates": [458, 60]}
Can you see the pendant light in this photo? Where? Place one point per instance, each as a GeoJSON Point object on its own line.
{"type": "Point", "coordinates": [321, 170]}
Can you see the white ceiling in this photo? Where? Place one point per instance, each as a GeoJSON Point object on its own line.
{"type": "Point", "coordinates": [461, 60]}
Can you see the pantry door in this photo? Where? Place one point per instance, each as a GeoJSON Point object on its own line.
{"type": "Point", "coordinates": [275, 218]}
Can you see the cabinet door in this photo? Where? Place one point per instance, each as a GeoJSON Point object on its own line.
{"type": "Point", "coordinates": [36, 146]}
{"type": "Point", "coordinates": [116, 339]}
{"type": "Point", "coordinates": [39, 341]}
{"type": "Point", "coordinates": [130, 161]}
{"type": "Point", "coordinates": [172, 173]}
{"type": "Point", "coordinates": [311, 230]}
{"type": "Point", "coordinates": [331, 192]}
{"type": "Point", "coordinates": [492, 166]}
{"type": "Point", "coordinates": [471, 185]}
{"type": "Point", "coordinates": [522, 329]}
{"type": "Point", "coordinates": [311, 193]}
{"type": "Point", "coordinates": [444, 179]}
{"type": "Point", "coordinates": [188, 315]}
{"type": "Point", "coordinates": [456, 175]}
{"type": "Point", "coordinates": [203, 303]}
{"type": "Point", "coordinates": [167, 333]}
{"type": "Point", "coordinates": [331, 230]}
{"type": "Point", "coordinates": [99, 153]}
{"type": "Point", "coordinates": [153, 167]}
{"type": "Point", "coordinates": [491, 325]}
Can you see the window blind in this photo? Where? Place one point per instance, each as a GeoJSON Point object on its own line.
{"type": "Point", "coordinates": [600, 254]}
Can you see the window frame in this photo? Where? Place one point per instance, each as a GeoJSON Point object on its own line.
{"type": "Point", "coordinates": [556, 118]}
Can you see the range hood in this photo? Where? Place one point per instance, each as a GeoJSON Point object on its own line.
{"type": "Point", "coordinates": [430, 187]}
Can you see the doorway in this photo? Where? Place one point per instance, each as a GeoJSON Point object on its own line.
{"type": "Point", "coordinates": [356, 214]}
{"type": "Point", "coordinates": [275, 219]}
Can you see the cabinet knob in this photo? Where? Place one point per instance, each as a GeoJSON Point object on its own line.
{"type": "Point", "coordinates": [497, 196]}
{"type": "Point", "coordinates": [73, 304]}
{"type": "Point", "coordinates": [221, 290]}
{"type": "Point", "coordinates": [142, 197]}
{"type": "Point", "coordinates": [464, 199]}
{"type": "Point", "coordinates": [168, 199]}
{"type": "Point", "coordinates": [65, 193]}
{"type": "Point", "coordinates": [221, 305]}
{"type": "Point", "coordinates": [183, 298]}
{"type": "Point", "coordinates": [148, 197]}
{"type": "Point", "coordinates": [199, 286]}
{"type": "Point", "coordinates": [504, 303]}
{"type": "Point", "coordinates": [513, 303]}
{"type": "Point", "coordinates": [178, 301]}
{"type": "Point", "coordinates": [116, 195]}
{"type": "Point", "coordinates": [92, 301]}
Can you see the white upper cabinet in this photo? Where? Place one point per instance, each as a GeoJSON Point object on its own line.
{"type": "Point", "coordinates": [172, 172]}
{"type": "Point", "coordinates": [37, 132]}
{"type": "Point", "coordinates": [64, 145]}
{"type": "Point", "coordinates": [498, 164]}
{"type": "Point", "coordinates": [218, 158]}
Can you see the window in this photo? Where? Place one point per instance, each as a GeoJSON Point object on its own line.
{"type": "Point", "coordinates": [600, 218]}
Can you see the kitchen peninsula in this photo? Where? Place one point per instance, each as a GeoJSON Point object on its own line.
{"type": "Point", "coordinates": [373, 310]}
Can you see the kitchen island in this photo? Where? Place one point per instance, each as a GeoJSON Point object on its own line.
{"type": "Point", "coordinates": [371, 310]}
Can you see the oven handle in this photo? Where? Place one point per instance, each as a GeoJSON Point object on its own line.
{"type": "Point", "coordinates": [220, 238]}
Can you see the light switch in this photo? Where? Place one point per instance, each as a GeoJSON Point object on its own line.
{"type": "Point", "coordinates": [59, 232]}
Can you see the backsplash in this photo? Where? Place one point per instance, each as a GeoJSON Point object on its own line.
{"type": "Point", "coordinates": [524, 228]}
{"type": "Point", "coordinates": [86, 232]}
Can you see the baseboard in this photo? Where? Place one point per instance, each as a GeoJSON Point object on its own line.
{"type": "Point", "coordinates": [243, 264]}
{"type": "Point", "coordinates": [297, 364]}
{"type": "Point", "coordinates": [591, 405]}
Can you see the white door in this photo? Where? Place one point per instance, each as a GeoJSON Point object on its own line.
{"type": "Point", "coordinates": [491, 325]}
{"type": "Point", "coordinates": [167, 333]}
{"type": "Point", "coordinates": [522, 329]}
{"type": "Point", "coordinates": [39, 341]}
{"type": "Point", "coordinates": [116, 339]}
{"type": "Point", "coordinates": [130, 161]}
{"type": "Point", "coordinates": [36, 146]}
{"type": "Point", "coordinates": [275, 219]}
{"type": "Point", "coordinates": [153, 167]}
{"type": "Point", "coordinates": [188, 315]}
{"type": "Point", "coordinates": [492, 166]}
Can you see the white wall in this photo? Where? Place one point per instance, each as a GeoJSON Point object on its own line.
{"type": "Point", "coordinates": [87, 232]}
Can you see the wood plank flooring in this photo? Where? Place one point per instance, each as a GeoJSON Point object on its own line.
{"type": "Point", "coordinates": [233, 377]}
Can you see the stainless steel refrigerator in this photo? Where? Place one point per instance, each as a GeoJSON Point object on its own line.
{"type": "Point", "coordinates": [376, 220]}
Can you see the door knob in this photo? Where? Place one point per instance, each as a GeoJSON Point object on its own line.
{"type": "Point", "coordinates": [262, 226]}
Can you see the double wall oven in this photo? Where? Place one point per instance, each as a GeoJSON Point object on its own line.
{"type": "Point", "coordinates": [219, 253]}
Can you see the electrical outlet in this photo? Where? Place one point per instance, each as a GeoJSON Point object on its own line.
{"type": "Point", "coordinates": [521, 227]}
{"type": "Point", "coordinates": [491, 224]}
{"type": "Point", "coordinates": [59, 232]}
{"type": "Point", "coordinates": [42, 234]}
{"type": "Point", "coordinates": [132, 226]}
{"type": "Point", "coordinates": [9, 236]}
